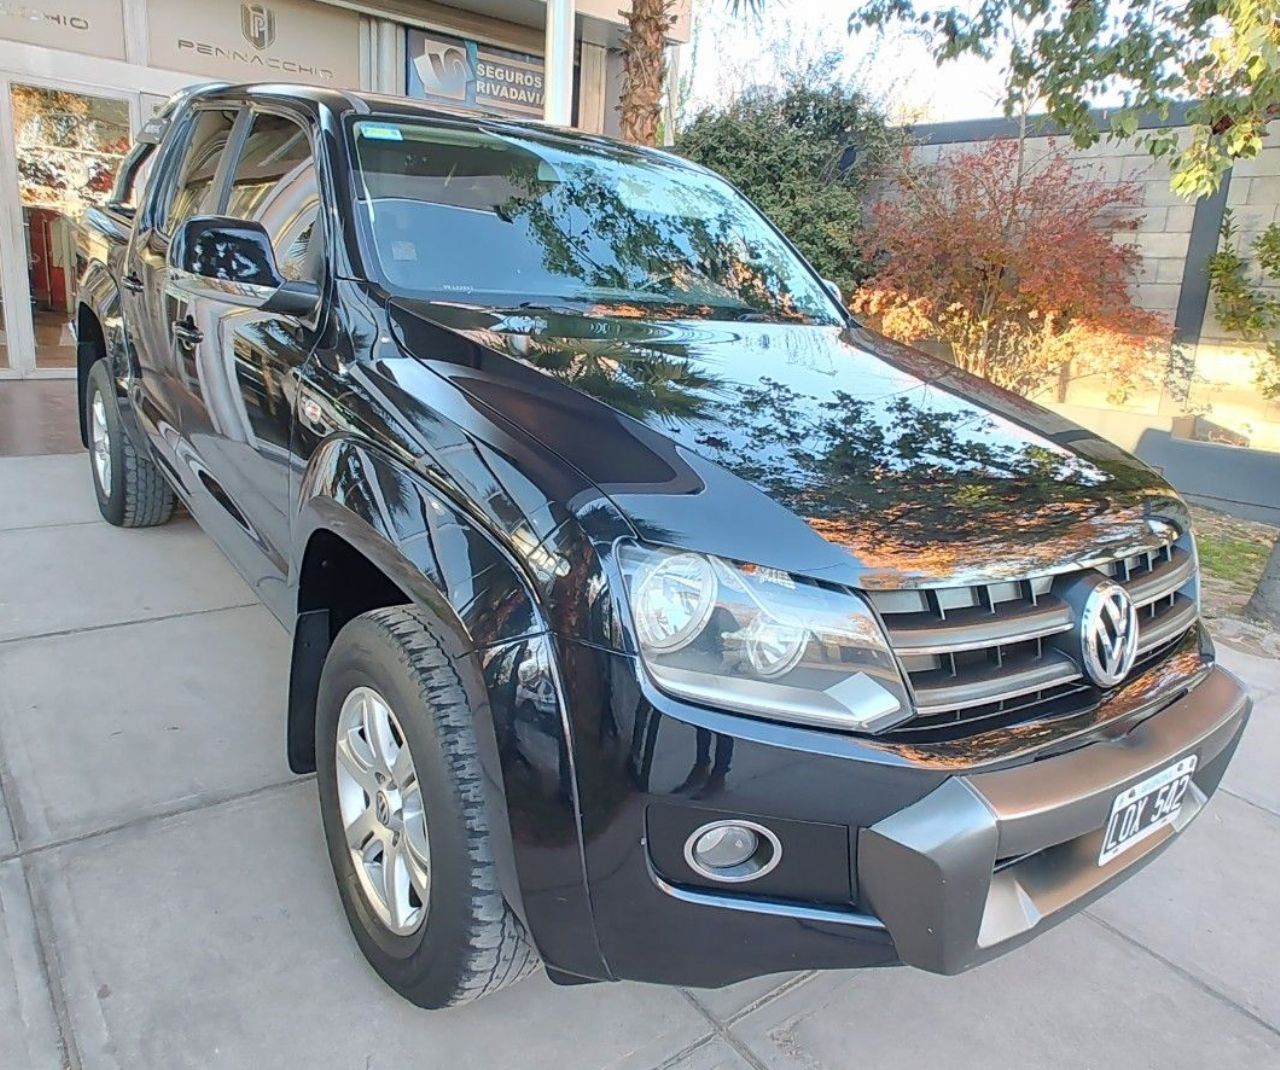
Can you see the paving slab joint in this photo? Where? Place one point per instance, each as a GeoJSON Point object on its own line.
{"type": "Point", "coordinates": [1184, 973]}
{"type": "Point", "coordinates": [51, 968]}
{"type": "Point", "coordinates": [722, 1031]}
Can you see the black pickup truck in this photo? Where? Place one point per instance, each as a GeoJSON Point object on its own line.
{"type": "Point", "coordinates": [651, 617]}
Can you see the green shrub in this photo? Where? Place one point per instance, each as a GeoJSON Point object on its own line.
{"type": "Point", "coordinates": [787, 149]}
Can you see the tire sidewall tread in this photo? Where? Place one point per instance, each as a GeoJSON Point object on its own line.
{"type": "Point", "coordinates": [471, 942]}
{"type": "Point", "coordinates": [139, 495]}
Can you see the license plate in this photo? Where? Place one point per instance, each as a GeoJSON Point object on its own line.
{"type": "Point", "coordinates": [1145, 808]}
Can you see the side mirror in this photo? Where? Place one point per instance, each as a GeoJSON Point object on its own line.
{"type": "Point", "coordinates": [232, 261]}
{"type": "Point", "coordinates": [834, 291]}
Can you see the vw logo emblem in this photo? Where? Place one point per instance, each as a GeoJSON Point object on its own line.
{"type": "Point", "coordinates": [1108, 634]}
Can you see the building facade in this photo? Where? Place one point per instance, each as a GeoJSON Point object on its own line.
{"type": "Point", "coordinates": [78, 77]}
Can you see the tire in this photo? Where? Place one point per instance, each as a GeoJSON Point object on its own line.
{"type": "Point", "coordinates": [132, 492]}
{"type": "Point", "coordinates": [468, 942]}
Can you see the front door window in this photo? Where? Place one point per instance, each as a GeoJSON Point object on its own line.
{"type": "Point", "coordinates": [68, 147]}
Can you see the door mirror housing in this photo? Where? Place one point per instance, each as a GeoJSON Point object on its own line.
{"type": "Point", "coordinates": [834, 290]}
{"type": "Point", "coordinates": [232, 261]}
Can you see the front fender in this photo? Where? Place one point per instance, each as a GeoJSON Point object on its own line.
{"type": "Point", "coordinates": [427, 546]}
{"type": "Point", "coordinates": [489, 618]}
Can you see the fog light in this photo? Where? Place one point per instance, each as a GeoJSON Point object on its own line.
{"type": "Point", "coordinates": [725, 846]}
{"type": "Point", "coordinates": [732, 851]}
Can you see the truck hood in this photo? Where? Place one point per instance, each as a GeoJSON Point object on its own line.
{"type": "Point", "coordinates": [820, 450]}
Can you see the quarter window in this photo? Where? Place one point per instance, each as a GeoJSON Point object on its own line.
{"type": "Point", "coordinates": [275, 184]}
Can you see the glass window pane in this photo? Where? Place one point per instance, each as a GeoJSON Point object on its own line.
{"type": "Point", "coordinates": [199, 166]}
{"type": "Point", "coordinates": [275, 184]}
{"type": "Point", "coordinates": [69, 147]}
{"type": "Point", "coordinates": [539, 220]}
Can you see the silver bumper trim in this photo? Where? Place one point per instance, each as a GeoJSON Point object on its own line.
{"type": "Point", "coordinates": [929, 872]}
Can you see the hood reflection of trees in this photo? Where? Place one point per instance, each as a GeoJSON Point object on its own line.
{"type": "Point", "coordinates": [640, 380]}
{"type": "Point", "coordinates": [905, 481]}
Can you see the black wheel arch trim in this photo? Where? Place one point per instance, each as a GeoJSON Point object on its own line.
{"type": "Point", "coordinates": [98, 308]}
{"type": "Point", "coordinates": [479, 603]}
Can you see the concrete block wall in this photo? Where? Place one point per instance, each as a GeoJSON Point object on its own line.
{"type": "Point", "coordinates": [1175, 237]}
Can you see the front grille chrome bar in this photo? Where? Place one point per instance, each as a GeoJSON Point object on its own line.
{"type": "Point", "coordinates": [1161, 580]}
{"type": "Point", "coordinates": [922, 633]}
{"type": "Point", "coordinates": [1170, 622]}
{"type": "Point", "coordinates": [995, 683]}
{"type": "Point", "coordinates": [1006, 650]}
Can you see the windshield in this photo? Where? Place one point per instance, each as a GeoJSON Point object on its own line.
{"type": "Point", "coordinates": [483, 216]}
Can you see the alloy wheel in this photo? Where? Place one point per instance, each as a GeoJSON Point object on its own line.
{"type": "Point", "coordinates": [100, 442]}
{"type": "Point", "coordinates": [380, 801]}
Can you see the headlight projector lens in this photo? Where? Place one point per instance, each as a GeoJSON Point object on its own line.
{"type": "Point", "coordinates": [732, 852]}
{"type": "Point", "coordinates": [774, 648]}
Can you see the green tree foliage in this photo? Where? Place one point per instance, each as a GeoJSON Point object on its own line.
{"type": "Point", "coordinates": [804, 153]}
{"type": "Point", "coordinates": [1223, 54]}
{"type": "Point", "coordinates": [1247, 303]}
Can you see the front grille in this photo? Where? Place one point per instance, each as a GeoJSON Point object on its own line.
{"type": "Point", "coordinates": [987, 656]}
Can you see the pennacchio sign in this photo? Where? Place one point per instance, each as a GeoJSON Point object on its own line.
{"type": "Point", "coordinates": [45, 16]}
{"type": "Point", "coordinates": [258, 30]}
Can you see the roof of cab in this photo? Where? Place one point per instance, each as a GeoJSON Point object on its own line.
{"type": "Point", "coordinates": [347, 101]}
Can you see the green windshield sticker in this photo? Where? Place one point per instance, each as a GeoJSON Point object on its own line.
{"type": "Point", "coordinates": [381, 132]}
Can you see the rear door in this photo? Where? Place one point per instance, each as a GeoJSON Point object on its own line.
{"type": "Point", "coordinates": [243, 377]}
{"type": "Point", "coordinates": [182, 188]}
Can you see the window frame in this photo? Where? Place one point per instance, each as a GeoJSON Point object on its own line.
{"type": "Point", "coordinates": [234, 151]}
{"type": "Point", "coordinates": [161, 197]}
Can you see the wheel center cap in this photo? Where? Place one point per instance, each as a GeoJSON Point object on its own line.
{"type": "Point", "coordinates": [387, 808]}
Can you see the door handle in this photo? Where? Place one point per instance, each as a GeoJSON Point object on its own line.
{"type": "Point", "coordinates": [132, 283]}
{"type": "Point", "coordinates": [186, 333]}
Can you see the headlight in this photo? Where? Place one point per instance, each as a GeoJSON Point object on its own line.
{"type": "Point", "coordinates": [761, 642]}
{"type": "Point", "coordinates": [674, 599]}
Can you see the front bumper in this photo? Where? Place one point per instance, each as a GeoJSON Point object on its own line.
{"type": "Point", "coordinates": [940, 859]}
{"type": "Point", "coordinates": [986, 861]}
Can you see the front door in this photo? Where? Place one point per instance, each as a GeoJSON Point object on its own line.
{"type": "Point", "coordinates": [243, 375]}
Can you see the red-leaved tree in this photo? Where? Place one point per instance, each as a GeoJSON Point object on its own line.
{"type": "Point", "coordinates": [1016, 265]}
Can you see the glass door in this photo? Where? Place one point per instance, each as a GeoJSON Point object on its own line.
{"type": "Point", "coordinates": [67, 145]}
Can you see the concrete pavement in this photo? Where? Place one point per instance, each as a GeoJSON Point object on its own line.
{"type": "Point", "coordinates": [166, 901]}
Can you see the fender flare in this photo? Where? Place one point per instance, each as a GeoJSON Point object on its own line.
{"type": "Point", "coordinates": [477, 601]}
{"type": "Point", "coordinates": [99, 296]}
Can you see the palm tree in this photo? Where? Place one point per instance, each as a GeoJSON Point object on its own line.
{"type": "Point", "coordinates": [644, 65]}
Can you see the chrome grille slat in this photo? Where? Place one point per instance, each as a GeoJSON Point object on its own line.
{"type": "Point", "coordinates": [1064, 698]}
{"type": "Point", "coordinates": [1162, 579]}
{"type": "Point", "coordinates": [924, 633]}
{"type": "Point", "coordinates": [1170, 621]}
{"type": "Point", "coordinates": [998, 682]}
{"type": "Point", "coordinates": [987, 655]}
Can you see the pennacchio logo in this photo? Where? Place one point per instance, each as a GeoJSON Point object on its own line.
{"type": "Point", "coordinates": [258, 25]}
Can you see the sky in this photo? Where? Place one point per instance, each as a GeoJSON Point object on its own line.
{"type": "Point", "coordinates": [730, 52]}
